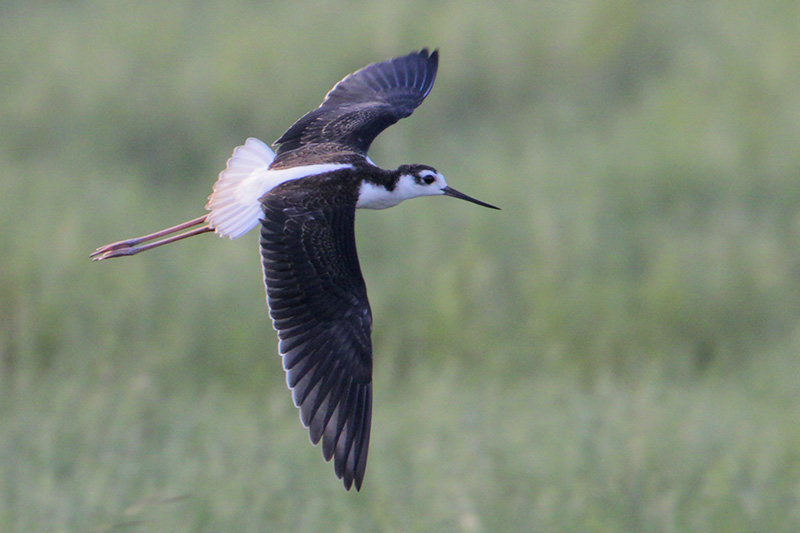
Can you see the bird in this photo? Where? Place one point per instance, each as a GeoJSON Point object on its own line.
{"type": "Point", "coordinates": [305, 196]}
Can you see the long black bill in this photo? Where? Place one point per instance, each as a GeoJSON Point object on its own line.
{"type": "Point", "coordinates": [449, 191]}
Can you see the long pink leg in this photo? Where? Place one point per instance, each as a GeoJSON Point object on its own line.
{"type": "Point", "coordinates": [129, 246]}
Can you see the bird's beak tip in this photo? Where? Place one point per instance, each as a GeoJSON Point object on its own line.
{"type": "Point", "coordinates": [449, 191]}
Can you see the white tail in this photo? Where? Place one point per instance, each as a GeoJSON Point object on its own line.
{"type": "Point", "coordinates": [234, 204]}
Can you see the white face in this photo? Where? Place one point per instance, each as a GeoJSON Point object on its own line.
{"type": "Point", "coordinates": [419, 182]}
{"type": "Point", "coordinates": [423, 182]}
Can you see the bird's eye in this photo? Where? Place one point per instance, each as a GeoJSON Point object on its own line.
{"type": "Point", "coordinates": [426, 179]}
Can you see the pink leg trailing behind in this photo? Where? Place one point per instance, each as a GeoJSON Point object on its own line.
{"type": "Point", "coordinates": [131, 246]}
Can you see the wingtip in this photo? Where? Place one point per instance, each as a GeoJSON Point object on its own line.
{"type": "Point", "coordinates": [428, 55]}
{"type": "Point", "coordinates": [356, 485]}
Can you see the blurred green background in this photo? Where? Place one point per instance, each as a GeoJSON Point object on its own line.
{"type": "Point", "coordinates": [616, 350]}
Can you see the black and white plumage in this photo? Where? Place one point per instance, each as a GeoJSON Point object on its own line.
{"type": "Point", "coordinates": [305, 197]}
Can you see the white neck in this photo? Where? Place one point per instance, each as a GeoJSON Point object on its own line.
{"type": "Point", "coordinates": [372, 196]}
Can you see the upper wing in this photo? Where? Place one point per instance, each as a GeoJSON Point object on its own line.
{"type": "Point", "coordinates": [318, 304]}
{"type": "Point", "coordinates": [361, 106]}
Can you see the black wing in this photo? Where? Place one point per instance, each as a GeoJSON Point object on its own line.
{"type": "Point", "coordinates": [361, 106]}
{"type": "Point", "coordinates": [318, 304]}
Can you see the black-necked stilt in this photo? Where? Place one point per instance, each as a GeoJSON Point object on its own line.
{"type": "Point", "coordinates": [305, 197]}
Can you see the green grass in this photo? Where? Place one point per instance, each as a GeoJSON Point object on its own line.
{"type": "Point", "coordinates": [616, 350]}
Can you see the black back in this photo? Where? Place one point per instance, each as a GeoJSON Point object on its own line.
{"type": "Point", "coordinates": [358, 108]}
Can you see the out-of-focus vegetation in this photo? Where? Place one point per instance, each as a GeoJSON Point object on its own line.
{"type": "Point", "coordinates": [617, 350]}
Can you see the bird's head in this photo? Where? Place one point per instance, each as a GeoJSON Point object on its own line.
{"type": "Point", "coordinates": [423, 180]}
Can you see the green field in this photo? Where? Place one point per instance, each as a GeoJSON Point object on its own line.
{"type": "Point", "coordinates": [618, 349]}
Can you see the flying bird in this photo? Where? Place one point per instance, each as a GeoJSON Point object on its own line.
{"type": "Point", "coordinates": [305, 197]}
